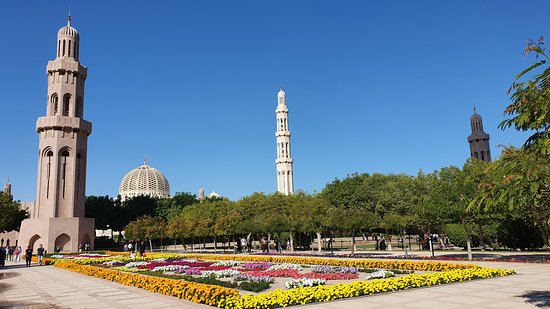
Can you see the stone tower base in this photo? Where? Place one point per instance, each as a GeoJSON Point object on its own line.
{"type": "Point", "coordinates": [69, 233]}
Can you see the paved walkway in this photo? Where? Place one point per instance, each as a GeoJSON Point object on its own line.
{"type": "Point", "coordinates": [50, 287]}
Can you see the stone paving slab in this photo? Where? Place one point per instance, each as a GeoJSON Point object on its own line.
{"type": "Point", "coordinates": [50, 287]}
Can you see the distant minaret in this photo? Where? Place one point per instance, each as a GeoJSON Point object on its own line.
{"type": "Point", "coordinates": [7, 188]}
{"type": "Point", "coordinates": [479, 140]}
{"type": "Point", "coordinates": [201, 194]}
{"type": "Point", "coordinates": [285, 182]}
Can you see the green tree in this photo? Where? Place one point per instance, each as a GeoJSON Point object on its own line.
{"type": "Point", "coordinates": [530, 108]}
{"type": "Point", "coordinates": [102, 209]}
{"type": "Point", "coordinates": [169, 207]}
{"type": "Point", "coordinates": [146, 228]}
{"type": "Point", "coordinates": [11, 213]}
{"type": "Point", "coordinates": [520, 182]}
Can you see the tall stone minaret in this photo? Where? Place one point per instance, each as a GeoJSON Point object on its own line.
{"type": "Point", "coordinates": [479, 140]}
{"type": "Point", "coordinates": [7, 188]}
{"type": "Point", "coordinates": [63, 139]}
{"type": "Point", "coordinates": [285, 182]}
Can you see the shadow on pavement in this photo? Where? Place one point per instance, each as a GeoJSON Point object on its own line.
{"type": "Point", "coordinates": [539, 299]}
{"type": "Point", "coordinates": [14, 266]}
{"type": "Point", "coordinates": [29, 305]}
{"type": "Point", "coordinates": [6, 275]}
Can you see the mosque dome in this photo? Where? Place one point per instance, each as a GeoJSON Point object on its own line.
{"type": "Point", "coordinates": [144, 180]}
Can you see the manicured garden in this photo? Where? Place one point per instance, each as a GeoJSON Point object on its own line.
{"type": "Point", "coordinates": [234, 281]}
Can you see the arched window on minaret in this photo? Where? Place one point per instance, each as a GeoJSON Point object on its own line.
{"type": "Point", "coordinates": [49, 156]}
{"type": "Point", "coordinates": [483, 155]}
{"type": "Point", "coordinates": [69, 54]}
{"type": "Point", "coordinates": [66, 104]}
{"type": "Point", "coordinates": [286, 149]}
{"type": "Point", "coordinates": [54, 104]}
{"type": "Point", "coordinates": [64, 155]}
{"type": "Point", "coordinates": [63, 54]}
{"type": "Point", "coordinates": [475, 155]}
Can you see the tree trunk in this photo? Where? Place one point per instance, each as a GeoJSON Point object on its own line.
{"type": "Point", "coordinates": [352, 242]}
{"type": "Point", "coordinates": [291, 238]}
{"type": "Point", "coordinates": [150, 245]}
{"type": "Point", "coordinates": [319, 242]}
{"type": "Point", "coordinates": [268, 241]}
{"type": "Point", "coordinates": [215, 245]}
{"type": "Point", "coordinates": [468, 243]}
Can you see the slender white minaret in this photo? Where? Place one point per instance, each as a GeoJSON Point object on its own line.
{"type": "Point", "coordinates": [7, 187]}
{"type": "Point", "coordinates": [285, 182]}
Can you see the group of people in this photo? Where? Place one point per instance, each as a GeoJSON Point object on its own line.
{"type": "Point", "coordinates": [14, 253]}
{"type": "Point", "coordinates": [83, 247]}
{"type": "Point", "coordinates": [245, 244]}
{"type": "Point", "coordinates": [132, 246]}
{"type": "Point", "coordinates": [10, 253]}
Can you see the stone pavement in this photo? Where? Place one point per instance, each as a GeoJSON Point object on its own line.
{"type": "Point", "coordinates": [50, 287]}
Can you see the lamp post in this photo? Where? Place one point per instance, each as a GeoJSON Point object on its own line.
{"type": "Point", "coordinates": [403, 243]}
{"type": "Point", "coordinates": [432, 244]}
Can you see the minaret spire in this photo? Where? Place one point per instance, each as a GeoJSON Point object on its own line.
{"type": "Point", "coordinates": [69, 19]}
{"type": "Point", "coordinates": [285, 178]}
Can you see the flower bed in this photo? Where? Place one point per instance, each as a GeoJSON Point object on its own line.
{"type": "Point", "coordinates": [323, 293]}
{"type": "Point", "coordinates": [211, 292]}
{"type": "Point", "coordinates": [196, 292]}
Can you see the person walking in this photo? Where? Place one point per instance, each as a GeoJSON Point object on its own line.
{"type": "Point", "coordinates": [40, 254]}
{"type": "Point", "coordinates": [142, 249]}
{"type": "Point", "coordinates": [17, 254]}
{"type": "Point", "coordinates": [2, 256]}
{"type": "Point", "coordinates": [28, 256]}
{"type": "Point", "coordinates": [10, 253]}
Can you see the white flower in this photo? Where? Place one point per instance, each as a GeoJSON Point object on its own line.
{"type": "Point", "coordinates": [169, 267]}
{"type": "Point", "coordinates": [230, 263]}
{"type": "Point", "coordinates": [380, 274]}
{"type": "Point", "coordinates": [135, 264]}
{"type": "Point", "coordinates": [221, 273]}
{"type": "Point", "coordinates": [297, 283]}
{"type": "Point", "coordinates": [112, 262]}
{"type": "Point", "coordinates": [285, 266]}
{"type": "Point", "coordinates": [158, 260]}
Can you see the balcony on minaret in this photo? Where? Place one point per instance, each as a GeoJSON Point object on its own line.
{"type": "Point", "coordinates": [63, 122]}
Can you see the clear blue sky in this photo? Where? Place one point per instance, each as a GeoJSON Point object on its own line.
{"type": "Point", "coordinates": [384, 86]}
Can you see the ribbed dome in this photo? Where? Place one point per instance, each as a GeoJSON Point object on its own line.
{"type": "Point", "coordinates": [475, 117]}
{"type": "Point", "coordinates": [68, 30]}
{"type": "Point", "coordinates": [144, 180]}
